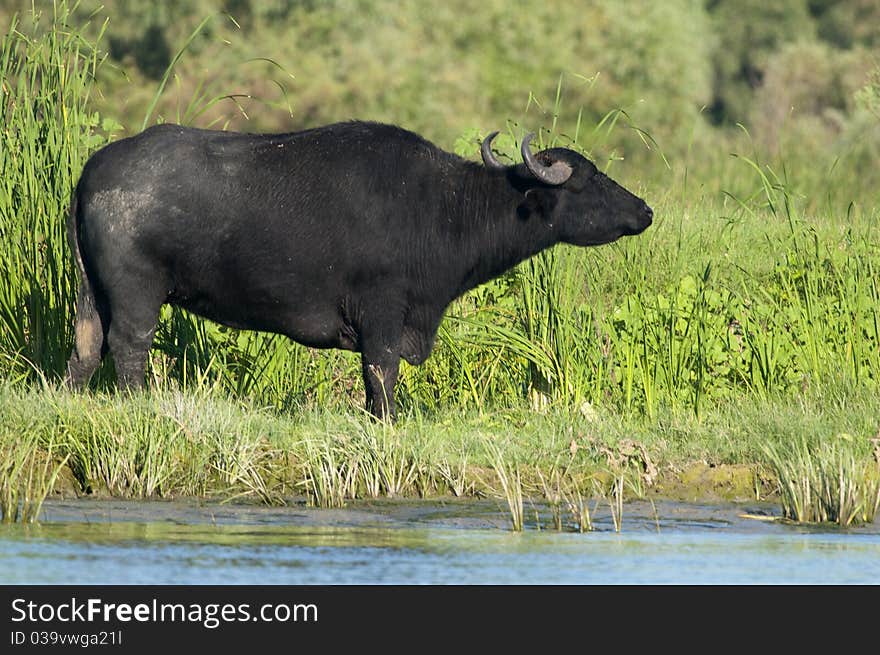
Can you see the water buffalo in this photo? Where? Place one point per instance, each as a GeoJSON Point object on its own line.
{"type": "Point", "coordinates": [355, 235]}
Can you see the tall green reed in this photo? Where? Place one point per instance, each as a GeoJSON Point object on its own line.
{"type": "Point", "coordinates": [27, 475]}
{"type": "Point", "coordinates": [47, 69]}
{"type": "Point", "coordinates": [828, 481]}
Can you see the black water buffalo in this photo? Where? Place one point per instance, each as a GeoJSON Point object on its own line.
{"type": "Point", "coordinates": [355, 235]}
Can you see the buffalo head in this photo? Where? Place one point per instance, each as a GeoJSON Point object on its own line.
{"type": "Point", "coordinates": [586, 206]}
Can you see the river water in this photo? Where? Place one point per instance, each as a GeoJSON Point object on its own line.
{"type": "Point", "coordinates": [422, 542]}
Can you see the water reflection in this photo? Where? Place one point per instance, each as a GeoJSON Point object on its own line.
{"type": "Point", "coordinates": [419, 543]}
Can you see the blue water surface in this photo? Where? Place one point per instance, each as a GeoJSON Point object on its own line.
{"type": "Point", "coordinates": [426, 545]}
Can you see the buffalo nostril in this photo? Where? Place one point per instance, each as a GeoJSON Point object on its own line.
{"type": "Point", "coordinates": [648, 212]}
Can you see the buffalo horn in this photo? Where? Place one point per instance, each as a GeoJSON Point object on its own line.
{"type": "Point", "coordinates": [557, 173]}
{"type": "Point", "coordinates": [488, 156]}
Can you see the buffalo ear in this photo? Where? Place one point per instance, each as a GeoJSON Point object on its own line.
{"type": "Point", "coordinates": [538, 201]}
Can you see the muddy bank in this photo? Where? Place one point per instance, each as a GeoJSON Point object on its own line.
{"type": "Point", "coordinates": [467, 514]}
{"type": "Point", "coordinates": [700, 481]}
{"type": "Point", "coordinates": [696, 482]}
{"type": "Point", "coordinates": [258, 521]}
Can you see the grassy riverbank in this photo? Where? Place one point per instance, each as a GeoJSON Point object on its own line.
{"type": "Point", "coordinates": [167, 444]}
{"type": "Point", "coordinates": [738, 335]}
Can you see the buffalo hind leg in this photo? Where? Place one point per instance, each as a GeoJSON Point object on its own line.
{"type": "Point", "coordinates": [90, 331]}
{"type": "Point", "coordinates": [130, 337]}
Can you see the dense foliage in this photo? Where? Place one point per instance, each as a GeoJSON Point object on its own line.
{"type": "Point", "coordinates": [684, 70]}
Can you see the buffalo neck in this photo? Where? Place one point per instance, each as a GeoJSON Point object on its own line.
{"type": "Point", "coordinates": [493, 231]}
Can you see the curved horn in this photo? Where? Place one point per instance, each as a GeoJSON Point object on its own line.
{"type": "Point", "coordinates": [555, 174]}
{"type": "Point", "coordinates": [488, 156]}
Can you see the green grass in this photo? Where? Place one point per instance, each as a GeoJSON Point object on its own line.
{"type": "Point", "coordinates": [170, 443]}
{"type": "Point", "coordinates": [28, 470]}
{"type": "Point", "coordinates": [510, 484]}
{"type": "Point", "coordinates": [830, 481]}
{"type": "Point", "coordinates": [48, 130]}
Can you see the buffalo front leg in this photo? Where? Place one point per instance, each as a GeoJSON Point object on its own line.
{"type": "Point", "coordinates": [380, 377]}
{"type": "Point", "coordinates": [380, 363]}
